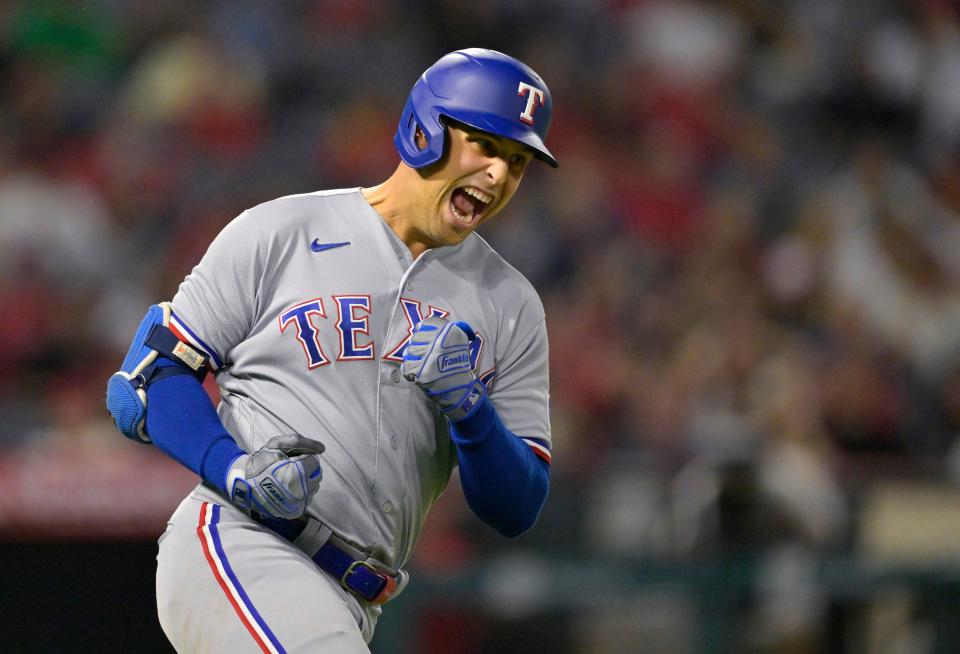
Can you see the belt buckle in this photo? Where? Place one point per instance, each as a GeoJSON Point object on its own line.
{"type": "Point", "coordinates": [352, 568]}
{"type": "Point", "coordinates": [390, 583]}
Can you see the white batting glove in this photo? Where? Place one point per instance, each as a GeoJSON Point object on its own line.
{"type": "Point", "coordinates": [279, 479]}
{"type": "Point", "coordinates": [437, 359]}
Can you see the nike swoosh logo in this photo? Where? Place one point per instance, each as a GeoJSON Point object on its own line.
{"type": "Point", "coordinates": [317, 246]}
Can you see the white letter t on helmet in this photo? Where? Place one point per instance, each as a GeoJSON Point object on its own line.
{"type": "Point", "coordinates": [535, 98]}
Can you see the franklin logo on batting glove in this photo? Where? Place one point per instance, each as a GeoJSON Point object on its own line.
{"type": "Point", "coordinates": [450, 362]}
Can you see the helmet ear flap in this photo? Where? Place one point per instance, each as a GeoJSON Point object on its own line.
{"type": "Point", "coordinates": [415, 152]}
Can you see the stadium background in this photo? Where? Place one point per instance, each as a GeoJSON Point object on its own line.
{"type": "Point", "coordinates": [750, 260]}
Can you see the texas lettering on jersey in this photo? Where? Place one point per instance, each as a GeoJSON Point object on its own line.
{"type": "Point", "coordinates": [352, 325]}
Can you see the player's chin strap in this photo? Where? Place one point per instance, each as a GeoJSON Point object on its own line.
{"type": "Point", "coordinates": [357, 572]}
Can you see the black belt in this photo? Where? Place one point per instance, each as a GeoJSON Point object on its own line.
{"type": "Point", "coordinates": [355, 575]}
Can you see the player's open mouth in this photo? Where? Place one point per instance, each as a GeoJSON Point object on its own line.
{"type": "Point", "coordinates": [468, 204]}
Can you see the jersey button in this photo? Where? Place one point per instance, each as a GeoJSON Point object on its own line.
{"type": "Point", "coordinates": [387, 507]}
{"type": "Point", "coordinates": [395, 376]}
{"type": "Point", "coordinates": [408, 286]}
{"type": "Point", "coordinates": [393, 441]}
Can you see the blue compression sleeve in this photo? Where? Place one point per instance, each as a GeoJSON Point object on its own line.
{"type": "Point", "coordinates": [505, 483]}
{"type": "Point", "coordinates": [183, 424]}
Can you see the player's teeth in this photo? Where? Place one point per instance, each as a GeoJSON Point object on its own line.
{"type": "Point", "coordinates": [483, 197]}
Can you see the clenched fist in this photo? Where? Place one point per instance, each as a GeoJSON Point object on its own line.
{"type": "Point", "coordinates": [279, 479]}
{"type": "Point", "coordinates": [437, 359]}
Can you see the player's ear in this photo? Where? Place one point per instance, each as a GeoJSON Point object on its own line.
{"type": "Point", "coordinates": [420, 139]}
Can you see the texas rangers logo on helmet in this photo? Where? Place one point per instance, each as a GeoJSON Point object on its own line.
{"type": "Point", "coordinates": [534, 99]}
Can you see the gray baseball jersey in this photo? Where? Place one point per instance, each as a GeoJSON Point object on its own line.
{"type": "Point", "coordinates": [305, 304]}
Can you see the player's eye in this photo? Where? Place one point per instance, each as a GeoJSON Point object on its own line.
{"type": "Point", "coordinates": [518, 162]}
{"type": "Point", "coordinates": [486, 146]}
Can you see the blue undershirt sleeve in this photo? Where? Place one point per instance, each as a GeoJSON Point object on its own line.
{"type": "Point", "coordinates": [504, 482]}
{"type": "Point", "coordinates": [183, 424]}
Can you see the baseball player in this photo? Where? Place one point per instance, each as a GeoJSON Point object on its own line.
{"type": "Point", "coordinates": [365, 342]}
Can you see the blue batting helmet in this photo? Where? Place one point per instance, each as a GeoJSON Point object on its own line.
{"type": "Point", "coordinates": [484, 89]}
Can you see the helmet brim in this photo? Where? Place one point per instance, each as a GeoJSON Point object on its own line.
{"type": "Point", "coordinates": [499, 126]}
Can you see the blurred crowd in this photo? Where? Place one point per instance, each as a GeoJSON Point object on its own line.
{"type": "Point", "coordinates": [749, 257]}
